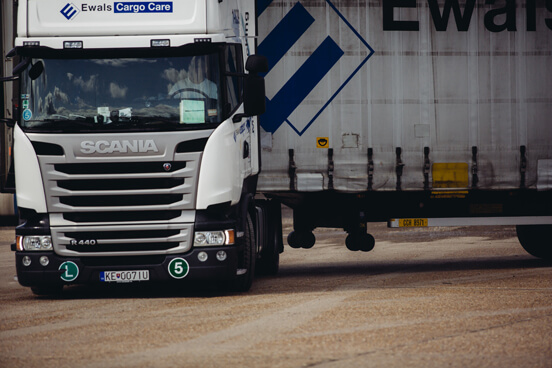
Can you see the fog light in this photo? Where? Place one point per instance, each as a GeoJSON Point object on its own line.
{"type": "Point", "coordinates": [202, 256]}
{"type": "Point", "coordinates": [221, 255]}
{"type": "Point", "coordinates": [26, 261]}
{"type": "Point", "coordinates": [44, 261]}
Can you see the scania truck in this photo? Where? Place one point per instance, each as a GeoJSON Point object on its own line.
{"type": "Point", "coordinates": [136, 150]}
{"type": "Point", "coordinates": [146, 147]}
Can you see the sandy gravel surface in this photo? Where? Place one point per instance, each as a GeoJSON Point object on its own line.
{"type": "Point", "coordinates": [449, 297]}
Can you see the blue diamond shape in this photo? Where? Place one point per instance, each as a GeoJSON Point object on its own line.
{"type": "Point", "coordinates": [290, 29]}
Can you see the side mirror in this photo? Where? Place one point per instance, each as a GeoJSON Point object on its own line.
{"type": "Point", "coordinates": [36, 70]}
{"type": "Point", "coordinates": [254, 100]}
{"type": "Point", "coordinates": [254, 87]}
{"type": "Point", "coordinates": [256, 64]}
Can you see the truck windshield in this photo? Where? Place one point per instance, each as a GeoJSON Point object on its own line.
{"type": "Point", "coordinates": [157, 93]}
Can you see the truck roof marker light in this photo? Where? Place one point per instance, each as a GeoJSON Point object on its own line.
{"type": "Point", "coordinates": [72, 44]}
{"type": "Point", "coordinates": [160, 43]}
{"type": "Point", "coordinates": [202, 40]}
{"type": "Point", "coordinates": [31, 43]}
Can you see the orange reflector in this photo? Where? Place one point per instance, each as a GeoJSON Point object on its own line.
{"type": "Point", "coordinates": [19, 243]}
{"type": "Point", "coordinates": [229, 237]}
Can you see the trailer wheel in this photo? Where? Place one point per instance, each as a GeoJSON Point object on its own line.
{"type": "Point", "coordinates": [246, 261]}
{"type": "Point", "coordinates": [535, 239]}
{"type": "Point", "coordinates": [301, 239]}
{"type": "Point", "coordinates": [47, 290]}
{"type": "Point", "coordinates": [360, 241]}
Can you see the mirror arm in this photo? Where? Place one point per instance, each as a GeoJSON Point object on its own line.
{"type": "Point", "coordinates": [9, 122]}
{"type": "Point", "coordinates": [238, 117]}
{"type": "Point", "coordinates": [9, 79]}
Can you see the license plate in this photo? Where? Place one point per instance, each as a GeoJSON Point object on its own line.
{"type": "Point", "coordinates": [413, 222]}
{"type": "Point", "coordinates": [124, 276]}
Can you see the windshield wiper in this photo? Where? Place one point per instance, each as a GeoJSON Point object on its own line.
{"type": "Point", "coordinates": [141, 121]}
{"type": "Point", "coordinates": [65, 123]}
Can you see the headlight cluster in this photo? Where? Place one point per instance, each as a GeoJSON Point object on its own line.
{"type": "Point", "coordinates": [34, 243]}
{"type": "Point", "coordinates": [213, 238]}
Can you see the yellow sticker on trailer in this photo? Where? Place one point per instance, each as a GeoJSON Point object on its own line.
{"type": "Point", "coordinates": [413, 222]}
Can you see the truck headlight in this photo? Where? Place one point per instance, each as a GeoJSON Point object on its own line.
{"type": "Point", "coordinates": [213, 238]}
{"type": "Point", "coordinates": [34, 243]}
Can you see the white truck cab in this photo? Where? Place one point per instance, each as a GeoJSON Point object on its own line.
{"type": "Point", "coordinates": [136, 143]}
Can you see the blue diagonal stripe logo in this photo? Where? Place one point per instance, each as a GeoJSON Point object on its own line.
{"type": "Point", "coordinates": [278, 42]}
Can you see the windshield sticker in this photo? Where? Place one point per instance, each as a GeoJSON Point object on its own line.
{"type": "Point", "coordinates": [192, 111]}
{"type": "Point", "coordinates": [27, 115]}
{"type": "Point", "coordinates": [103, 115]}
{"type": "Point", "coordinates": [125, 113]}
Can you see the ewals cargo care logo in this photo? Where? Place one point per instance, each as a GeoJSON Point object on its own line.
{"type": "Point", "coordinates": [139, 7]}
{"type": "Point", "coordinates": [70, 10]}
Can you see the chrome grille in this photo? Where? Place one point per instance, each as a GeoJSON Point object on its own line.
{"type": "Point", "coordinates": [122, 240]}
{"type": "Point", "coordinates": [126, 204]}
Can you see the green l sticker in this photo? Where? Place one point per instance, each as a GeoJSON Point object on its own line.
{"type": "Point", "coordinates": [71, 271]}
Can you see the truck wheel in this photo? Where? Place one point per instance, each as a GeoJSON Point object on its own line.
{"type": "Point", "coordinates": [246, 261]}
{"type": "Point", "coordinates": [47, 290]}
{"type": "Point", "coordinates": [535, 239]}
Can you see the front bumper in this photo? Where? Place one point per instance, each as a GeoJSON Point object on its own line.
{"type": "Point", "coordinates": [89, 269]}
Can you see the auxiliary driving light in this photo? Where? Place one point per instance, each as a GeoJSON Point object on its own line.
{"type": "Point", "coordinates": [202, 256]}
{"type": "Point", "coordinates": [26, 261]}
{"type": "Point", "coordinates": [221, 255]}
{"type": "Point", "coordinates": [44, 261]}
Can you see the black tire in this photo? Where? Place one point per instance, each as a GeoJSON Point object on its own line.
{"type": "Point", "coordinates": [360, 241]}
{"type": "Point", "coordinates": [246, 261]}
{"type": "Point", "coordinates": [301, 239]}
{"type": "Point", "coordinates": [535, 239]}
{"type": "Point", "coordinates": [47, 290]}
{"type": "Point", "coordinates": [269, 261]}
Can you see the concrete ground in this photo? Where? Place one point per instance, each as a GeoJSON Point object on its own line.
{"type": "Point", "coordinates": [444, 297]}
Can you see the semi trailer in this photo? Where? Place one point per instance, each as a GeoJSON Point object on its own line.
{"type": "Point", "coordinates": [414, 113]}
{"type": "Point", "coordinates": [157, 140]}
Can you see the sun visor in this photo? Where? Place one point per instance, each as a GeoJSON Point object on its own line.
{"type": "Point", "coordinates": [106, 18]}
